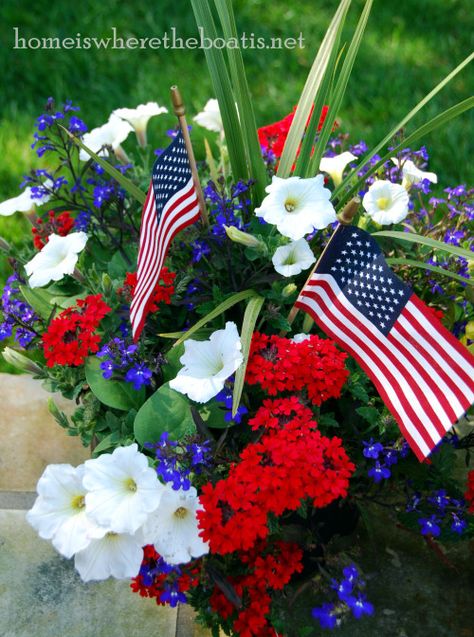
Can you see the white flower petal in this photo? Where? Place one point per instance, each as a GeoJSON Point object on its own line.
{"type": "Point", "coordinates": [210, 117]}
{"type": "Point", "coordinates": [412, 174]}
{"type": "Point", "coordinates": [138, 117]}
{"type": "Point", "coordinates": [122, 489]}
{"type": "Point", "coordinates": [57, 258]}
{"type": "Point", "coordinates": [112, 133]}
{"type": "Point", "coordinates": [113, 555]}
{"type": "Point", "coordinates": [24, 202]}
{"type": "Point", "coordinates": [173, 527]}
{"type": "Point", "coordinates": [297, 206]}
{"type": "Point", "coordinates": [334, 166]}
{"type": "Point", "coordinates": [386, 202]}
{"type": "Point", "coordinates": [207, 364]}
{"type": "Point", "coordinates": [293, 258]}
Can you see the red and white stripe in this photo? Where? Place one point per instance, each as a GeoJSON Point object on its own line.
{"type": "Point", "coordinates": [155, 238]}
{"type": "Point", "coordinates": [423, 373]}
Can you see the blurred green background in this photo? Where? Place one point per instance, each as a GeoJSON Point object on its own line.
{"type": "Point", "coordinates": [409, 47]}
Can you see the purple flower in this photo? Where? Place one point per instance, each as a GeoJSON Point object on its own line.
{"type": "Point", "coordinates": [453, 237]}
{"type": "Point", "coordinates": [379, 472]}
{"type": "Point", "coordinates": [430, 526]}
{"type": "Point", "coordinates": [439, 499]}
{"type": "Point", "coordinates": [360, 606]}
{"type": "Point", "coordinates": [139, 375]}
{"type": "Point", "coordinates": [77, 126]}
{"type": "Point", "coordinates": [172, 595]}
{"type": "Point", "coordinates": [324, 614]}
{"type": "Point", "coordinates": [372, 449]}
{"type": "Point", "coordinates": [458, 524]}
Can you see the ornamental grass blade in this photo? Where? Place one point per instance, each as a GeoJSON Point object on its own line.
{"type": "Point", "coordinates": [388, 138]}
{"type": "Point", "coordinates": [310, 90]}
{"type": "Point", "coordinates": [425, 129]}
{"type": "Point", "coordinates": [250, 318]}
{"type": "Point", "coordinates": [412, 237]}
{"type": "Point", "coordinates": [220, 309]}
{"type": "Point", "coordinates": [128, 185]}
{"type": "Point", "coordinates": [432, 268]}
{"type": "Point", "coordinates": [223, 91]}
{"type": "Point", "coordinates": [339, 90]}
{"type": "Point", "coordinates": [244, 100]}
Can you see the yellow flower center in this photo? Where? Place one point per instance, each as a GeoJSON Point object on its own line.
{"type": "Point", "coordinates": [181, 513]}
{"type": "Point", "coordinates": [290, 204]}
{"type": "Point", "coordinates": [383, 203]}
{"type": "Point", "coordinates": [78, 502]}
{"type": "Point", "coordinates": [130, 485]}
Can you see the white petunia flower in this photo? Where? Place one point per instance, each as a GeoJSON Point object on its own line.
{"type": "Point", "coordinates": [58, 513]}
{"type": "Point", "coordinates": [57, 258]}
{"type": "Point", "coordinates": [24, 202]}
{"type": "Point", "coordinates": [112, 133]}
{"type": "Point", "coordinates": [210, 117]}
{"type": "Point", "coordinates": [138, 117]}
{"type": "Point", "coordinates": [412, 174]}
{"type": "Point", "coordinates": [297, 206]}
{"type": "Point", "coordinates": [334, 166]}
{"type": "Point", "coordinates": [293, 258]}
{"type": "Point", "coordinates": [386, 202]}
{"type": "Point", "coordinates": [300, 338]}
{"type": "Point", "coordinates": [173, 527]}
{"type": "Point", "coordinates": [110, 554]}
{"type": "Point", "coordinates": [208, 364]}
{"type": "Point", "coordinates": [122, 489]}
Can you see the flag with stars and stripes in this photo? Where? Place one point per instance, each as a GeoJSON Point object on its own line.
{"type": "Point", "coordinates": [171, 205]}
{"type": "Point", "coordinates": [422, 372]}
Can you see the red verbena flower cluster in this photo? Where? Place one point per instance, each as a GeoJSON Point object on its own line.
{"type": "Point", "coordinates": [469, 495]}
{"type": "Point", "coordinates": [270, 568]}
{"type": "Point", "coordinates": [163, 292]}
{"type": "Point", "coordinates": [60, 224]}
{"type": "Point", "coordinates": [273, 136]}
{"type": "Point", "coordinates": [156, 579]}
{"type": "Point", "coordinates": [70, 337]}
{"type": "Point", "coordinates": [289, 464]}
{"type": "Point", "coordinates": [315, 365]}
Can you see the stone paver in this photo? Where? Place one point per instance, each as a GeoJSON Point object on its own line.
{"type": "Point", "coordinates": [29, 437]}
{"type": "Point", "coordinates": [41, 594]}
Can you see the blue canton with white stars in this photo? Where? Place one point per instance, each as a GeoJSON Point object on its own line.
{"type": "Point", "coordinates": [356, 262]}
{"type": "Point", "coordinates": [171, 172]}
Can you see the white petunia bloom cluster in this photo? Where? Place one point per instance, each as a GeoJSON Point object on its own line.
{"type": "Point", "coordinates": [104, 511]}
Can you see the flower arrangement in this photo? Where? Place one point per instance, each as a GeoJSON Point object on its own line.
{"type": "Point", "coordinates": [231, 442]}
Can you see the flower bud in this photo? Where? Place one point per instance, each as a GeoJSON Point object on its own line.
{"type": "Point", "coordinates": [288, 290]}
{"type": "Point", "coordinates": [106, 283]}
{"type": "Point", "coordinates": [244, 238]}
{"type": "Point", "coordinates": [21, 362]}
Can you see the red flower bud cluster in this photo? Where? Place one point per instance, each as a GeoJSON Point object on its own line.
{"type": "Point", "coordinates": [289, 464]}
{"type": "Point", "coordinates": [270, 568]}
{"type": "Point", "coordinates": [164, 289]}
{"type": "Point", "coordinates": [315, 365]}
{"type": "Point", "coordinates": [60, 224]}
{"type": "Point", "coordinates": [70, 337]}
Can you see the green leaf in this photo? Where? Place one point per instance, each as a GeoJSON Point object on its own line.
{"type": "Point", "coordinates": [223, 91]}
{"type": "Point", "coordinates": [214, 416]}
{"type": "Point", "coordinates": [109, 442]}
{"type": "Point", "coordinates": [40, 300]}
{"type": "Point", "coordinates": [129, 186]}
{"type": "Point", "coordinates": [388, 138]}
{"type": "Point", "coordinates": [167, 410]}
{"type": "Point", "coordinates": [243, 99]}
{"type": "Point", "coordinates": [370, 414]}
{"type": "Point", "coordinates": [412, 237]}
{"type": "Point", "coordinates": [250, 318]}
{"type": "Point", "coordinates": [173, 365]}
{"type": "Point", "coordinates": [310, 90]}
{"type": "Point", "coordinates": [433, 268]}
{"type": "Point", "coordinates": [113, 393]}
{"type": "Point", "coordinates": [340, 89]}
{"type": "Point", "coordinates": [220, 309]}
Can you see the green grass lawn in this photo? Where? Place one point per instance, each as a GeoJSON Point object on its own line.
{"type": "Point", "coordinates": [410, 45]}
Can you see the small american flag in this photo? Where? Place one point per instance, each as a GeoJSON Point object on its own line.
{"type": "Point", "coordinates": [171, 205]}
{"type": "Point", "coordinates": [422, 372]}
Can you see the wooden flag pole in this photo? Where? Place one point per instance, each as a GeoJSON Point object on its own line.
{"type": "Point", "coordinates": [345, 219]}
{"type": "Point", "coordinates": [179, 111]}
